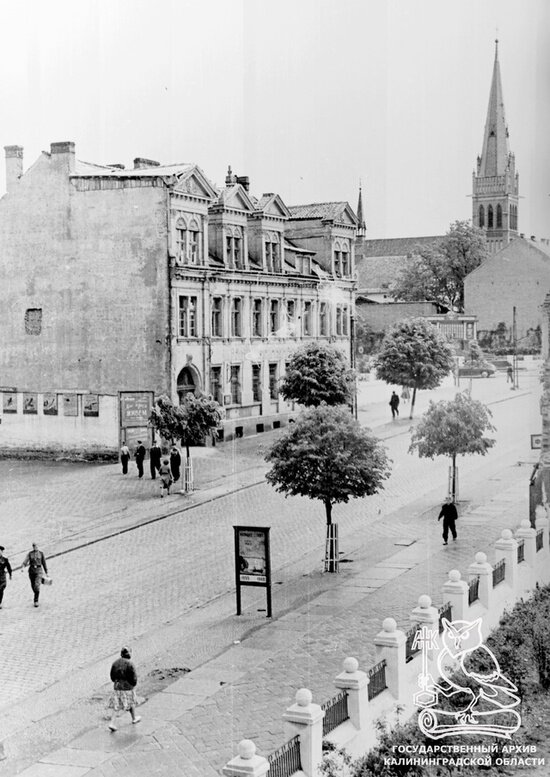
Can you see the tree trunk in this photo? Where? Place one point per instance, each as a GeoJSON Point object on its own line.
{"type": "Point", "coordinates": [453, 478]}
{"type": "Point", "coordinates": [413, 400]}
{"type": "Point", "coordinates": [331, 543]}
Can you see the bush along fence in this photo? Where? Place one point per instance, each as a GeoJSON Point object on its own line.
{"type": "Point", "coordinates": [522, 561]}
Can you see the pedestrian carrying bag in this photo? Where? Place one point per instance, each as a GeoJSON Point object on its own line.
{"type": "Point", "coordinates": [46, 580]}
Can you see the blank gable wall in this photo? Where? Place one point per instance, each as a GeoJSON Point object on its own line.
{"type": "Point", "coordinates": [95, 263]}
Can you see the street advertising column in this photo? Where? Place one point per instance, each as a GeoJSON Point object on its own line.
{"type": "Point", "coordinates": [135, 409]}
{"type": "Point", "coordinates": [252, 561]}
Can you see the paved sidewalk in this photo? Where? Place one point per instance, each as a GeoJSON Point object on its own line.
{"type": "Point", "coordinates": [313, 649]}
{"type": "Point", "coordinates": [192, 727]}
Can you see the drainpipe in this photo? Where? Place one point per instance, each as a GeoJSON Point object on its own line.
{"type": "Point", "coordinates": [168, 338]}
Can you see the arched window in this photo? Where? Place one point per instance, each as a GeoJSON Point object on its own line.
{"type": "Point", "coordinates": [187, 382]}
{"type": "Point", "coordinates": [490, 217]}
{"type": "Point", "coordinates": [481, 216]}
{"type": "Point", "coordinates": [499, 216]}
{"type": "Point", "coordinates": [194, 242]}
{"type": "Point", "coordinates": [181, 240]}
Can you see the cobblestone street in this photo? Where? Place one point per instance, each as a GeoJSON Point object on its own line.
{"type": "Point", "coordinates": [148, 587]}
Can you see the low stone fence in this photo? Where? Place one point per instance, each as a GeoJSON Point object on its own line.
{"type": "Point", "coordinates": [522, 560]}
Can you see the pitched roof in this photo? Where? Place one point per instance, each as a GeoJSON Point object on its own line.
{"type": "Point", "coordinates": [379, 272]}
{"type": "Point", "coordinates": [519, 251]}
{"type": "Point", "coordinates": [319, 210]}
{"type": "Point", "coordinates": [83, 169]}
{"type": "Point", "coordinates": [395, 247]}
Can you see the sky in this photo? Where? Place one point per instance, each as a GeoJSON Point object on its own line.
{"type": "Point", "coordinates": [306, 97]}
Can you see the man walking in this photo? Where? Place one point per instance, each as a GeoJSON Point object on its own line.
{"type": "Point", "coordinates": [394, 404]}
{"type": "Point", "coordinates": [4, 567]}
{"type": "Point", "coordinates": [155, 455]}
{"type": "Point", "coordinates": [36, 562]}
{"type": "Point", "coordinates": [449, 515]}
{"type": "Point", "coordinates": [124, 458]}
{"type": "Point", "coordinates": [139, 456]}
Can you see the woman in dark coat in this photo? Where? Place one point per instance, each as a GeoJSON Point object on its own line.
{"type": "Point", "coordinates": [175, 463]}
{"type": "Point", "coordinates": [123, 697]}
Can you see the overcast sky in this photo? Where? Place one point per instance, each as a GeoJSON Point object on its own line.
{"type": "Point", "coordinates": [305, 97]}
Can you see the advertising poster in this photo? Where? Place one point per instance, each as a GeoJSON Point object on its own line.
{"type": "Point", "coordinates": [333, 217]}
{"type": "Point", "coordinates": [49, 406]}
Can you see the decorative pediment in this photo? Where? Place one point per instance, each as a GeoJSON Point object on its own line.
{"type": "Point", "coordinates": [236, 198]}
{"type": "Point", "coordinates": [347, 216]}
{"type": "Point", "coordinates": [272, 205]}
{"type": "Point", "coordinates": [195, 183]}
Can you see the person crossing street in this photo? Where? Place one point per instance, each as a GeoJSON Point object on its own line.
{"type": "Point", "coordinates": [449, 515]}
{"type": "Point", "coordinates": [36, 562]}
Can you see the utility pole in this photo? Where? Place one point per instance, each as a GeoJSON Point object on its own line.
{"type": "Point", "coordinates": [352, 361]}
{"type": "Point", "coordinates": [515, 341]}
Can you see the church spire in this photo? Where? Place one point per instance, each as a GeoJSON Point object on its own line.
{"type": "Point", "coordinates": [361, 231]}
{"type": "Point", "coordinates": [495, 192]}
{"type": "Point", "coordinates": [496, 150]}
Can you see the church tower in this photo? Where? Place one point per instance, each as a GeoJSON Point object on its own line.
{"type": "Point", "coordinates": [362, 228]}
{"type": "Point", "coordinates": [495, 182]}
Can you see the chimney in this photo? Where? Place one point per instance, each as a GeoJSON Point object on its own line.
{"type": "Point", "coordinates": [140, 162]}
{"type": "Point", "coordinates": [533, 238]}
{"type": "Point", "coordinates": [244, 180]}
{"type": "Point", "coordinates": [63, 155]}
{"type": "Point", "coordinates": [14, 165]}
{"type": "Point", "coordinates": [230, 178]}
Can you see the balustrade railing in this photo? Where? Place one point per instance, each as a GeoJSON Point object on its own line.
{"type": "Point", "coordinates": [410, 649]}
{"type": "Point", "coordinates": [286, 760]}
{"type": "Point", "coordinates": [445, 611]}
{"type": "Point", "coordinates": [473, 590]}
{"type": "Point", "coordinates": [540, 540]}
{"type": "Point", "coordinates": [377, 679]}
{"type": "Point", "coordinates": [336, 712]}
{"type": "Point", "coordinates": [499, 572]}
{"type": "Point", "coordinates": [521, 551]}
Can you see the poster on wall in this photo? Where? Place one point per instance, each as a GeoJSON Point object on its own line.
{"type": "Point", "coordinates": [90, 403]}
{"type": "Point", "coordinates": [133, 434]}
{"type": "Point", "coordinates": [70, 404]}
{"type": "Point", "coordinates": [30, 404]}
{"type": "Point", "coordinates": [49, 404]}
{"type": "Point", "coordinates": [9, 402]}
{"type": "Point", "coordinates": [135, 407]}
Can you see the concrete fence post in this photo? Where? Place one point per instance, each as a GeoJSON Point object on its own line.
{"type": "Point", "coordinates": [355, 682]}
{"type": "Point", "coordinates": [543, 556]}
{"type": "Point", "coordinates": [306, 719]}
{"type": "Point", "coordinates": [455, 591]}
{"type": "Point", "coordinates": [390, 645]}
{"type": "Point", "coordinates": [482, 569]}
{"type": "Point", "coordinates": [506, 547]}
{"type": "Point", "coordinates": [529, 535]}
{"type": "Point", "coordinates": [426, 615]}
{"type": "Point", "coordinates": [247, 763]}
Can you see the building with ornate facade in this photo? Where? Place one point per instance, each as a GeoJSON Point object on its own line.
{"type": "Point", "coordinates": [154, 279]}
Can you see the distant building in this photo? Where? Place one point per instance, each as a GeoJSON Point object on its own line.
{"type": "Point", "coordinates": [153, 279]}
{"type": "Point", "coordinates": [517, 276]}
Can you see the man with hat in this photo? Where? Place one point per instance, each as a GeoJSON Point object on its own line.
{"type": "Point", "coordinates": [4, 567]}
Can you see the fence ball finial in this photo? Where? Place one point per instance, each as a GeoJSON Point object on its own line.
{"type": "Point", "coordinates": [525, 524]}
{"type": "Point", "coordinates": [247, 749]}
{"type": "Point", "coordinates": [481, 557]}
{"type": "Point", "coordinates": [351, 665]}
{"type": "Point", "coordinates": [454, 575]}
{"type": "Point", "coordinates": [424, 601]}
{"type": "Point", "coordinates": [389, 625]}
{"type": "Point", "coordinates": [506, 534]}
{"type": "Point", "coordinates": [303, 697]}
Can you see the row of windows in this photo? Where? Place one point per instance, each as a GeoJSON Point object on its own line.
{"type": "Point", "coordinates": [493, 222]}
{"type": "Point", "coordinates": [235, 387]}
{"type": "Point", "coordinates": [282, 318]}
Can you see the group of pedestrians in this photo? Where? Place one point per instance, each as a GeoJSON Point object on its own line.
{"type": "Point", "coordinates": [38, 572]}
{"type": "Point", "coordinates": [167, 466]}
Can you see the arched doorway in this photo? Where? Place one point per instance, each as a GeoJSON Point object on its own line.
{"type": "Point", "coordinates": [188, 382]}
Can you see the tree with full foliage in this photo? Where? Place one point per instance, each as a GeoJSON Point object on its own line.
{"type": "Point", "coordinates": [436, 273]}
{"type": "Point", "coordinates": [318, 373]}
{"type": "Point", "coordinates": [414, 354]}
{"type": "Point", "coordinates": [326, 455]}
{"type": "Point", "coordinates": [189, 422]}
{"type": "Point", "coordinates": [453, 428]}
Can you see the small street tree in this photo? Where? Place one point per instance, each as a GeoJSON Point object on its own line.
{"type": "Point", "coordinates": [189, 423]}
{"type": "Point", "coordinates": [453, 428]}
{"type": "Point", "coordinates": [318, 373]}
{"type": "Point", "coordinates": [326, 455]}
{"type": "Point", "coordinates": [414, 354]}
{"type": "Point", "coordinates": [437, 273]}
